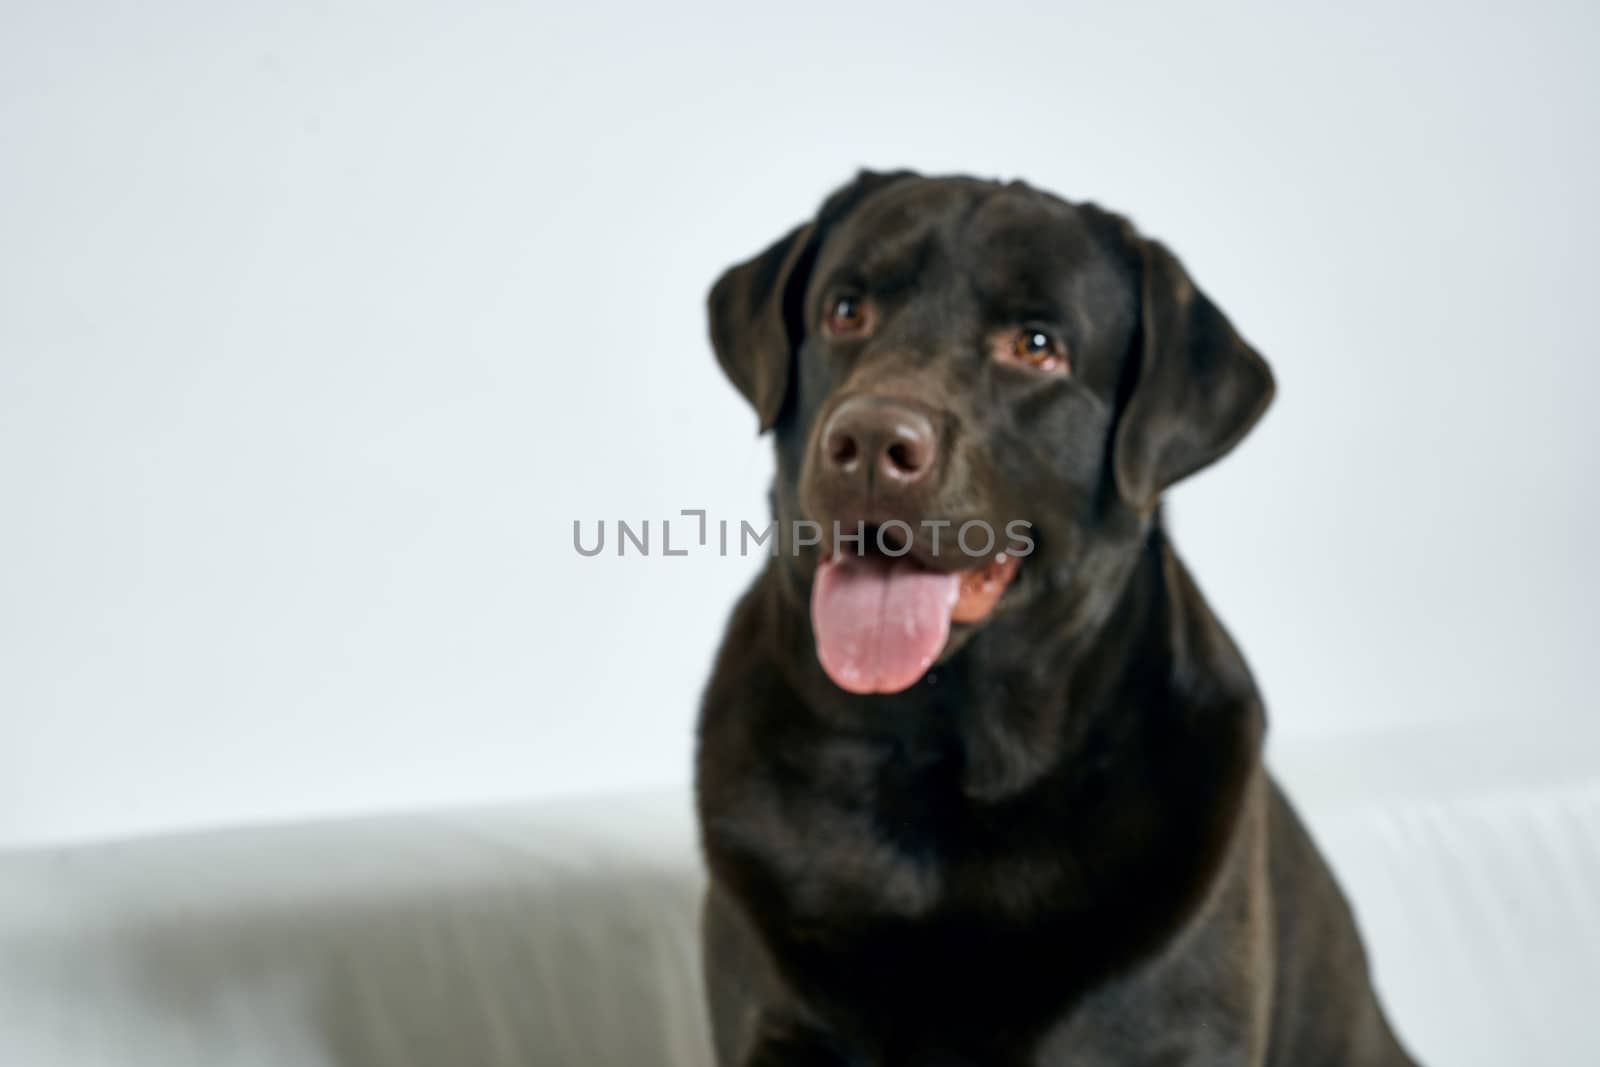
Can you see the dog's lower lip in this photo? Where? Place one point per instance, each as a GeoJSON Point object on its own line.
{"type": "Point", "coordinates": [982, 587]}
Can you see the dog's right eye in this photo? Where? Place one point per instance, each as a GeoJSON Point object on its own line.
{"type": "Point", "coordinates": [847, 315]}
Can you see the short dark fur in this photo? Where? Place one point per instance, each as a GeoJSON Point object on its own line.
{"type": "Point", "coordinates": [1060, 846]}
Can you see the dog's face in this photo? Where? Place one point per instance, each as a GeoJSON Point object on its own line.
{"type": "Point", "coordinates": [976, 388]}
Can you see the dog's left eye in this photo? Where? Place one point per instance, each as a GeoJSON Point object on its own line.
{"type": "Point", "coordinates": [1031, 346]}
{"type": "Point", "coordinates": [847, 315]}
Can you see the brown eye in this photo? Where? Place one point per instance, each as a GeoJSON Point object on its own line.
{"type": "Point", "coordinates": [1031, 346]}
{"type": "Point", "coordinates": [847, 315]}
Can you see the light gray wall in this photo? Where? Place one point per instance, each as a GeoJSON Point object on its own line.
{"type": "Point", "coordinates": [318, 329]}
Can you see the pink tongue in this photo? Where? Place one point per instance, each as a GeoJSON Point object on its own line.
{"type": "Point", "coordinates": [880, 622]}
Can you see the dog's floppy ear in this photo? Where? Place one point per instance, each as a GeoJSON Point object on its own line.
{"type": "Point", "coordinates": [755, 319]}
{"type": "Point", "coordinates": [756, 308]}
{"type": "Point", "coordinates": [1197, 389]}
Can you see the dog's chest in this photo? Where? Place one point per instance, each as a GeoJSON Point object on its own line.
{"type": "Point", "coordinates": [872, 852]}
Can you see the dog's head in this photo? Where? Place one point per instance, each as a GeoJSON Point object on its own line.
{"type": "Point", "coordinates": [976, 389]}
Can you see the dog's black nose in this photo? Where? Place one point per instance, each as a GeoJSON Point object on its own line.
{"type": "Point", "coordinates": [879, 443]}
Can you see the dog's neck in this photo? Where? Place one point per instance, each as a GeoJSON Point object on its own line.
{"type": "Point", "coordinates": [1107, 651]}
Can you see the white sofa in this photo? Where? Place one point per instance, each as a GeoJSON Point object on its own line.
{"type": "Point", "coordinates": [564, 933]}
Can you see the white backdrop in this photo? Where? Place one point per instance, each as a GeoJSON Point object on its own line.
{"type": "Point", "coordinates": [319, 328]}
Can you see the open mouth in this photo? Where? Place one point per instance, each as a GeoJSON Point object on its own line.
{"type": "Point", "coordinates": [881, 621]}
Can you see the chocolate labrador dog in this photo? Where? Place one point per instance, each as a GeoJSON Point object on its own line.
{"type": "Point", "coordinates": [979, 772]}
